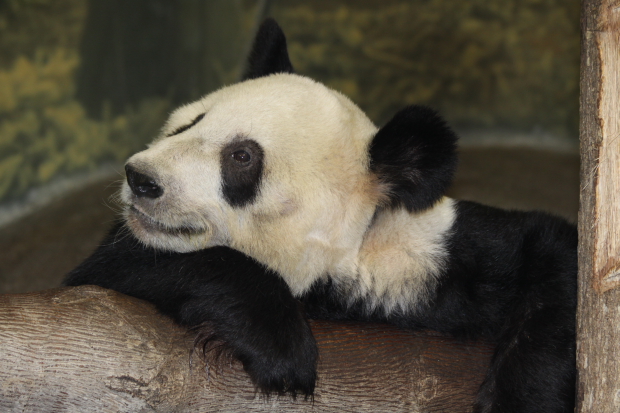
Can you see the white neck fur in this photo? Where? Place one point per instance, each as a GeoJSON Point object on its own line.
{"type": "Point", "coordinates": [392, 261]}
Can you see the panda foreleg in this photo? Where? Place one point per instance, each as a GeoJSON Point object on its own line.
{"type": "Point", "coordinates": [221, 295]}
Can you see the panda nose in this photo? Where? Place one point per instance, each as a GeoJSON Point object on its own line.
{"type": "Point", "coordinates": [143, 186]}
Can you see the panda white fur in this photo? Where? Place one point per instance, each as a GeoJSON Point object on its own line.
{"type": "Point", "coordinates": [354, 220]}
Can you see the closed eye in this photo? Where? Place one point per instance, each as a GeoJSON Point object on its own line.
{"type": "Point", "coordinates": [186, 127]}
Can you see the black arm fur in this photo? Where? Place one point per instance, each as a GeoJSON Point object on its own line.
{"type": "Point", "coordinates": [222, 295]}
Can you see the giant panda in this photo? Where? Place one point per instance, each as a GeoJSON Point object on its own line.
{"type": "Point", "coordinates": [276, 199]}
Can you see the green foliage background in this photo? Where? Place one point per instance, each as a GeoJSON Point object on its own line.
{"type": "Point", "coordinates": [44, 131]}
{"type": "Point", "coordinates": [508, 64]}
{"type": "Point", "coordinates": [497, 65]}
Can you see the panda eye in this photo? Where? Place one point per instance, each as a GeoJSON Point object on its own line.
{"type": "Point", "coordinates": [241, 156]}
{"type": "Point", "coordinates": [241, 163]}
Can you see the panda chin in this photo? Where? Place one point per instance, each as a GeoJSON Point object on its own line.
{"type": "Point", "coordinates": [161, 236]}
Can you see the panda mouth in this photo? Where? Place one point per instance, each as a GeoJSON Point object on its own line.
{"type": "Point", "coordinates": [152, 225]}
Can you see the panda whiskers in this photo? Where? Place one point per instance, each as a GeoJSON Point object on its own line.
{"type": "Point", "coordinates": [123, 233]}
{"type": "Point", "coordinates": [114, 201]}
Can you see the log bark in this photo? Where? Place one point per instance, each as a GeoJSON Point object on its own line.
{"type": "Point", "coordinates": [86, 349]}
{"type": "Point", "coordinates": [598, 318]}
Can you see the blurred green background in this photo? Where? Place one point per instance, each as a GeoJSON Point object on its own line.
{"type": "Point", "coordinates": [84, 84]}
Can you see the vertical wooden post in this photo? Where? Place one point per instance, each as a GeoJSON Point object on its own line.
{"type": "Point", "coordinates": [598, 318]}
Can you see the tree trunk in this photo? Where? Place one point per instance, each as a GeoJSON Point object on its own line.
{"type": "Point", "coordinates": [86, 349]}
{"type": "Point", "coordinates": [598, 318]}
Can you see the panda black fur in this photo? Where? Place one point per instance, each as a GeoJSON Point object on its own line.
{"type": "Point", "coordinates": [348, 218]}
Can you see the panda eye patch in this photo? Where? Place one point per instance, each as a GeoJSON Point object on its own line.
{"type": "Point", "coordinates": [241, 156]}
{"type": "Point", "coordinates": [241, 163]}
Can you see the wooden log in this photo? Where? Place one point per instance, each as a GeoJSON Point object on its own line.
{"type": "Point", "coordinates": [598, 318]}
{"type": "Point", "coordinates": [86, 349]}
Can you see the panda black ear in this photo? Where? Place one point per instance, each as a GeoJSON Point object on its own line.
{"type": "Point", "coordinates": [269, 54]}
{"type": "Point", "coordinates": [414, 155]}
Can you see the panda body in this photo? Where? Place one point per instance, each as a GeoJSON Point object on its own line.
{"type": "Point", "coordinates": [354, 220]}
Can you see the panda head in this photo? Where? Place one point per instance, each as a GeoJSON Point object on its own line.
{"type": "Point", "coordinates": [284, 169]}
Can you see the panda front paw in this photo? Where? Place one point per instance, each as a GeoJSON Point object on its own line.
{"type": "Point", "coordinates": [290, 369]}
{"type": "Point", "coordinates": [277, 363]}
